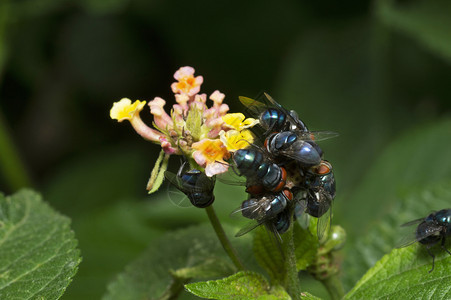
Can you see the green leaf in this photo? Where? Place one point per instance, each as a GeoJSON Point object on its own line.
{"type": "Point", "coordinates": [425, 21]}
{"type": "Point", "coordinates": [268, 253]}
{"type": "Point", "coordinates": [416, 203]}
{"type": "Point", "coordinates": [109, 240]}
{"type": "Point", "coordinates": [194, 252]}
{"type": "Point", "coordinates": [403, 274]}
{"type": "Point", "coordinates": [38, 249]}
{"type": "Point", "coordinates": [305, 247]}
{"type": "Point", "coordinates": [242, 285]}
{"type": "Point", "coordinates": [415, 159]}
{"type": "Point", "coordinates": [157, 174]}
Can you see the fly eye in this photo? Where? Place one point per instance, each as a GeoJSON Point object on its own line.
{"type": "Point", "coordinates": [288, 194]}
{"type": "Point", "coordinates": [324, 168]}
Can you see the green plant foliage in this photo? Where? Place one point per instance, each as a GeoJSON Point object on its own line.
{"type": "Point", "coordinates": [268, 253]}
{"type": "Point", "coordinates": [38, 249]}
{"type": "Point", "coordinates": [305, 247]}
{"type": "Point", "coordinates": [192, 253]}
{"type": "Point", "coordinates": [425, 21]}
{"type": "Point", "coordinates": [242, 286]}
{"type": "Point", "coordinates": [109, 239]}
{"type": "Point", "coordinates": [402, 275]}
{"type": "Point", "coordinates": [416, 203]}
{"type": "Point", "coordinates": [419, 157]}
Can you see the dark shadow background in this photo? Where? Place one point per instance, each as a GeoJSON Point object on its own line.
{"type": "Point", "coordinates": [368, 70]}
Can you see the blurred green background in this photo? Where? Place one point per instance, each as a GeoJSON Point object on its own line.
{"type": "Point", "coordinates": [374, 71]}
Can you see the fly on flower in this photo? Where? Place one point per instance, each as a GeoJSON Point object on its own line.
{"type": "Point", "coordinates": [197, 186]}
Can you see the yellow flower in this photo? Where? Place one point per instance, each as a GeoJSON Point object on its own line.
{"type": "Point", "coordinates": [235, 140]}
{"type": "Point", "coordinates": [125, 110]}
{"type": "Point", "coordinates": [238, 122]}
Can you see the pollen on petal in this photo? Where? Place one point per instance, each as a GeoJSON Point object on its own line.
{"type": "Point", "coordinates": [125, 109]}
{"type": "Point", "coordinates": [209, 153]}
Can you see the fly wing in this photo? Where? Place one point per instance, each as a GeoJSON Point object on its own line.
{"type": "Point", "coordinates": [177, 196]}
{"type": "Point", "coordinates": [249, 227]}
{"type": "Point", "coordinates": [205, 183]}
{"type": "Point", "coordinates": [324, 222]}
{"type": "Point", "coordinates": [413, 236]}
{"type": "Point", "coordinates": [250, 211]}
{"type": "Point", "coordinates": [317, 135]}
{"type": "Point", "coordinates": [174, 180]}
{"type": "Point", "coordinates": [254, 108]}
{"type": "Point", "coordinates": [232, 176]}
{"type": "Point", "coordinates": [414, 222]}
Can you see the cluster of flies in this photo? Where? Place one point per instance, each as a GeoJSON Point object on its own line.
{"type": "Point", "coordinates": [283, 171]}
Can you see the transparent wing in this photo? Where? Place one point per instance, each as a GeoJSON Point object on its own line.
{"type": "Point", "coordinates": [174, 180]}
{"type": "Point", "coordinates": [299, 212]}
{"type": "Point", "coordinates": [414, 222]}
{"type": "Point", "coordinates": [255, 107]}
{"type": "Point", "coordinates": [176, 195]}
{"type": "Point", "coordinates": [232, 177]}
{"type": "Point", "coordinates": [317, 135]}
{"type": "Point", "coordinates": [251, 211]}
{"type": "Point", "coordinates": [249, 227]}
{"type": "Point", "coordinates": [413, 236]}
{"type": "Point", "coordinates": [324, 223]}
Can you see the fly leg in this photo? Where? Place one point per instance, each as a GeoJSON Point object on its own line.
{"type": "Point", "coordinates": [442, 245]}
{"type": "Point", "coordinates": [433, 257]}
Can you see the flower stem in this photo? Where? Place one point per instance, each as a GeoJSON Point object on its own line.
{"type": "Point", "coordinates": [334, 287]}
{"type": "Point", "coordinates": [292, 284]}
{"type": "Point", "coordinates": [223, 238]}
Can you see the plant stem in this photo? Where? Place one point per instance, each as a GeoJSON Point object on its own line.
{"type": "Point", "coordinates": [223, 238]}
{"type": "Point", "coordinates": [292, 284]}
{"type": "Point", "coordinates": [334, 287]}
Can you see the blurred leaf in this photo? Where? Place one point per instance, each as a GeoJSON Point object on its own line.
{"type": "Point", "coordinates": [335, 78]}
{"type": "Point", "coordinates": [305, 247]}
{"type": "Point", "coordinates": [425, 21]}
{"type": "Point", "coordinates": [419, 157]}
{"type": "Point", "coordinates": [104, 7]}
{"type": "Point", "coordinates": [149, 276]}
{"type": "Point", "coordinates": [97, 180]}
{"type": "Point", "coordinates": [268, 253]}
{"type": "Point", "coordinates": [416, 202]}
{"type": "Point", "coordinates": [400, 275]}
{"type": "Point", "coordinates": [109, 240]}
{"type": "Point", "coordinates": [4, 13]}
{"type": "Point", "coordinates": [38, 249]}
{"type": "Point", "coordinates": [308, 296]}
{"type": "Point", "coordinates": [242, 285]}
{"type": "Point", "coordinates": [209, 268]}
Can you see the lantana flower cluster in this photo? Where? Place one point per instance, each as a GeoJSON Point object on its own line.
{"type": "Point", "coordinates": [204, 134]}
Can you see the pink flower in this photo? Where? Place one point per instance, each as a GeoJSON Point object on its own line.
{"type": "Point", "coordinates": [160, 117]}
{"type": "Point", "coordinates": [210, 154]}
{"type": "Point", "coordinates": [186, 82]}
